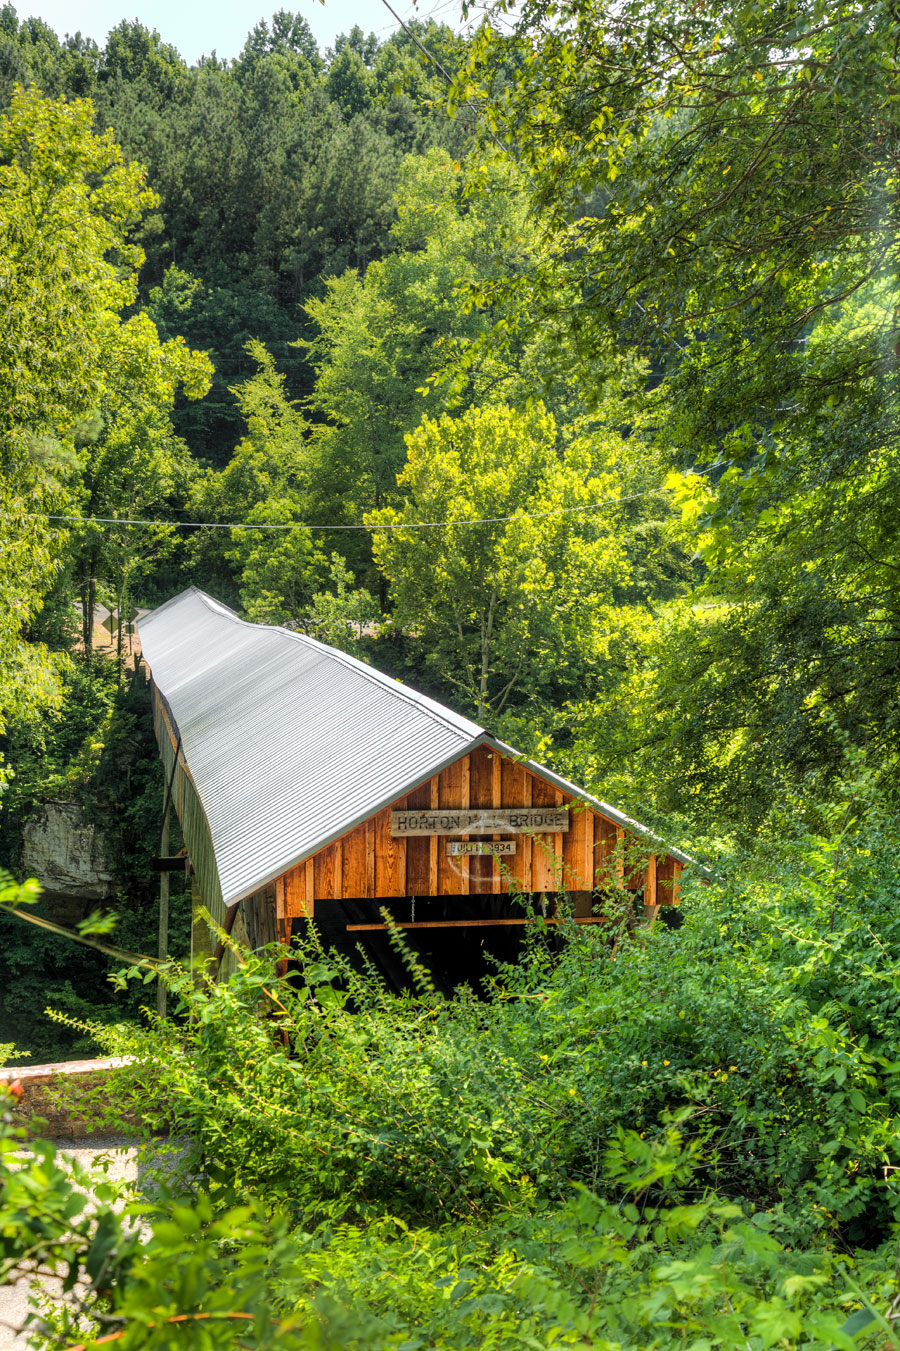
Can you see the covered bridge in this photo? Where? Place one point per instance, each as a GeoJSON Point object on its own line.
{"type": "Point", "coordinates": [310, 785]}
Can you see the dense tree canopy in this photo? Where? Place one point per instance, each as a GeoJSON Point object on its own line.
{"type": "Point", "coordinates": [67, 203]}
{"type": "Point", "coordinates": [381, 338]}
{"type": "Point", "coordinates": [571, 397]}
{"type": "Point", "coordinates": [273, 172]}
{"type": "Point", "coordinates": [714, 184]}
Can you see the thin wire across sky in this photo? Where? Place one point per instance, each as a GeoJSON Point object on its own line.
{"type": "Point", "coordinates": [369, 529]}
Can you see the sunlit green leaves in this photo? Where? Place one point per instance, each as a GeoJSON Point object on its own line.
{"type": "Point", "coordinates": [67, 269]}
{"type": "Point", "coordinates": [505, 605]}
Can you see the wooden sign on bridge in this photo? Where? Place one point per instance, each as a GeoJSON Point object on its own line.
{"type": "Point", "coordinates": [487, 821]}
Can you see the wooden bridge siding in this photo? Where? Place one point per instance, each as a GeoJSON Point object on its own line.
{"type": "Point", "coordinates": [325, 867]}
{"type": "Point", "coordinates": [257, 916]}
{"type": "Point", "coordinates": [453, 791]}
{"type": "Point", "coordinates": [547, 850]}
{"type": "Point", "coordinates": [418, 849]}
{"type": "Point", "coordinates": [482, 791]}
{"type": "Point", "coordinates": [390, 856]}
{"type": "Point", "coordinates": [649, 881]}
{"type": "Point", "coordinates": [668, 872]}
{"type": "Point", "coordinates": [368, 862]}
{"type": "Point", "coordinates": [578, 849]}
{"type": "Point", "coordinates": [353, 871]}
{"type": "Point", "coordinates": [515, 790]}
{"type": "Point", "coordinates": [607, 842]}
{"type": "Point", "coordinates": [290, 893]}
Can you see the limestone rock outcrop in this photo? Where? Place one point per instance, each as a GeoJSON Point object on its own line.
{"type": "Point", "coordinates": [68, 854]}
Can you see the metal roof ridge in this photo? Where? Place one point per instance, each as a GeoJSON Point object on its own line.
{"type": "Point", "coordinates": [604, 807]}
{"type": "Point", "coordinates": [446, 716]}
{"type": "Point", "coordinates": [173, 601]}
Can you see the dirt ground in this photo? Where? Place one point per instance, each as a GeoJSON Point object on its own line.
{"type": "Point", "coordinates": [107, 644]}
{"type": "Point", "coordinates": [123, 1167]}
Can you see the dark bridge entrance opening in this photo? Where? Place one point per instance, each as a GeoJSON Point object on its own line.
{"type": "Point", "coordinates": [459, 939]}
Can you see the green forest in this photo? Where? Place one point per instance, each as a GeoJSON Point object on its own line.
{"type": "Point", "coordinates": [550, 363]}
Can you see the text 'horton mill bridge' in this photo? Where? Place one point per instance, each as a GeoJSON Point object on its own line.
{"type": "Point", "coordinates": [309, 785]}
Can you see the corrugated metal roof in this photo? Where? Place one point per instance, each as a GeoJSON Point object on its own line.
{"type": "Point", "coordinates": [291, 743]}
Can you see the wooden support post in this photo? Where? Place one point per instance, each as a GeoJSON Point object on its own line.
{"type": "Point", "coordinates": [163, 946]}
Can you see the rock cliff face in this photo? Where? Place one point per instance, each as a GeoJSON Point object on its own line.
{"type": "Point", "coordinates": [69, 855]}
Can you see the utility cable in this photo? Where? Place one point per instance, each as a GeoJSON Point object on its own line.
{"type": "Point", "coordinates": [370, 529]}
{"type": "Point", "coordinates": [429, 56]}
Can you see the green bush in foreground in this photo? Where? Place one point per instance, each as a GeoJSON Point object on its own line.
{"type": "Point", "coordinates": [625, 1273]}
{"type": "Point", "coordinates": [672, 1139]}
{"type": "Point", "coordinates": [771, 1032]}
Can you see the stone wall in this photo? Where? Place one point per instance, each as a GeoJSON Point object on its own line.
{"type": "Point", "coordinates": [52, 1093]}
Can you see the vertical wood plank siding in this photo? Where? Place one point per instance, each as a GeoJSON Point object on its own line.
{"type": "Point", "coordinates": [450, 788]}
{"type": "Point", "coordinates": [194, 825]}
{"type": "Point", "coordinates": [433, 795]}
{"type": "Point", "coordinates": [650, 881]}
{"type": "Point", "coordinates": [390, 856]}
{"type": "Point", "coordinates": [578, 851]}
{"type": "Point", "coordinates": [496, 801]}
{"type": "Point", "coordinates": [516, 790]}
{"type": "Point", "coordinates": [606, 837]}
{"type": "Point", "coordinates": [546, 858]}
{"type": "Point", "coordinates": [481, 794]}
{"type": "Point", "coordinates": [418, 849]}
{"type": "Point", "coordinates": [368, 862]}
{"type": "Point", "coordinates": [354, 881]}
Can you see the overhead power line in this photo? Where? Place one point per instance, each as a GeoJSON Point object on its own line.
{"type": "Point", "coordinates": [369, 529]}
{"type": "Point", "coordinates": [430, 56]}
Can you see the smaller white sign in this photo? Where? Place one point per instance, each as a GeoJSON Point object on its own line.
{"type": "Point", "coordinates": [482, 847]}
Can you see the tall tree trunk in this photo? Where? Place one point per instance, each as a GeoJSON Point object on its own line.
{"type": "Point", "coordinates": [92, 601]}
{"type": "Point", "coordinates": [121, 596]}
{"type": "Point", "coordinates": [86, 616]}
{"type": "Point", "coordinates": [88, 601]}
{"type": "Point", "coordinates": [487, 632]}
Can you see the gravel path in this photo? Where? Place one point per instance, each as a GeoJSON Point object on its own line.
{"type": "Point", "coordinates": [122, 1167]}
